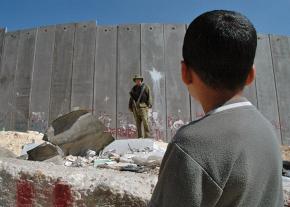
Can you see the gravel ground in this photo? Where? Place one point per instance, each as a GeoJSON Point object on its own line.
{"type": "Point", "coordinates": [15, 140]}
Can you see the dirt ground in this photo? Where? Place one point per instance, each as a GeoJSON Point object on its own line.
{"type": "Point", "coordinates": [285, 152]}
{"type": "Point", "coordinates": [15, 140]}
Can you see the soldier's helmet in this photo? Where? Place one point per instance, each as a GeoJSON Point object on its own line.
{"type": "Point", "coordinates": [137, 77]}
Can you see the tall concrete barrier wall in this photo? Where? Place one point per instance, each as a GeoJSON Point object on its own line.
{"type": "Point", "coordinates": [49, 71]}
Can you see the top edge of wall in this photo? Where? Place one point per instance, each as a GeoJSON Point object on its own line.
{"type": "Point", "coordinates": [107, 25]}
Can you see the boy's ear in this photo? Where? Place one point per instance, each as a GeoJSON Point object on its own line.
{"type": "Point", "coordinates": [185, 74]}
{"type": "Point", "coordinates": [251, 75]}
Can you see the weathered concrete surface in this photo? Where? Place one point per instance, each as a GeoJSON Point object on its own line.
{"type": "Point", "coordinates": [78, 131]}
{"type": "Point", "coordinates": [45, 184]}
{"type": "Point", "coordinates": [6, 153]}
{"type": "Point", "coordinates": [44, 151]}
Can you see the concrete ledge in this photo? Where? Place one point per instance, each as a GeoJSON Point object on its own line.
{"type": "Point", "coordinates": [28, 183]}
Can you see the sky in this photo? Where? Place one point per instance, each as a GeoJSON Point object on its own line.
{"type": "Point", "coordinates": [268, 16]}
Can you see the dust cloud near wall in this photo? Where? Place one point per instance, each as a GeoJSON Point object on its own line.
{"type": "Point", "coordinates": [51, 70]}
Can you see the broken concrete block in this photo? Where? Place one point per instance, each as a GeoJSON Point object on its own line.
{"type": "Point", "coordinates": [99, 161]}
{"type": "Point", "coordinates": [127, 158]}
{"type": "Point", "coordinates": [57, 160]}
{"type": "Point", "coordinates": [123, 146]}
{"type": "Point", "coordinates": [6, 153]}
{"type": "Point", "coordinates": [65, 122]}
{"type": "Point", "coordinates": [71, 158]}
{"type": "Point", "coordinates": [90, 153]}
{"type": "Point", "coordinates": [77, 132]}
{"type": "Point", "coordinates": [68, 163]}
{"type": "Point", "coordinates": [44, 151]}
{"type": "Point", "coordinates": [28, 147]}
{"type": "Point", "coordinates": [150, 159]}
{"type": "Point", "coordinates": [80, 162]}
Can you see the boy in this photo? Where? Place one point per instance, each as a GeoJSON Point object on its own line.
{"type": "Point", "coordinates": [230, 157]}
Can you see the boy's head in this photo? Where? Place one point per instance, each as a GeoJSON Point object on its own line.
{"type": "Point", "coordinates": [220, 46]}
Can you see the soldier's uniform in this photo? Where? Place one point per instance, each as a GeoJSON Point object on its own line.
{"type": "Point", "coordinates": [140, 109]}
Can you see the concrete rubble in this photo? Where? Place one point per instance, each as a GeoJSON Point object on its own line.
{"type": "Point", "coordinates": [93, 169]}
{"type": "Point", "coordinates": [78, 131]}
{"type": "Point", "coordinates": [44, 151]}
{"type": "Point", "coordinates": [77, 139]}
{"type": "Point", "coordinates": [80, 167]}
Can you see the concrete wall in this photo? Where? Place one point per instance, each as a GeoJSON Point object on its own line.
{"type": "Point", "coordinates": [48, 71]}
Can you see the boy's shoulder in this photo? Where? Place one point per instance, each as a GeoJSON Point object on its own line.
{"type": "Point", "coordinates": [233, 125]}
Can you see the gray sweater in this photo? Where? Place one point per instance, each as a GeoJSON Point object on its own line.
{"type": "Point", "coordinates": [230, 158]}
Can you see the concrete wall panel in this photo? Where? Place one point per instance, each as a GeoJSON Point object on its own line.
{"type": "Point", "coordinates": [177, 98]}
{"type": "Point", "coordinates": [60, 94]}
{"type": "Point", "coordinates": [41, 79]}
{"type": "Point", "coordinates": [23, 75]}
{"type": "Point", "coordinates": [105, 94]}
{"type": "Point", "coordinates": [128, 65]}
{"type": "Point", "coordinates": [153, 71]}
{"type": "Point", "coordinates": [280, 47]}
{"type": "Point", "coordinates": [7, 76]}
{"type": "Point", "coordinates": [250, 92]}
{"type": "Point", "coordinates": [2, 37]}
{"type": "Point", "coordinates": [265, 83]}
{"type": "Point", "coordinates": [83, 66]}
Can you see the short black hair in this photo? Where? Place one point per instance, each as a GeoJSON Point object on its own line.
{"type": "Point", "coordinates": [220, 47]}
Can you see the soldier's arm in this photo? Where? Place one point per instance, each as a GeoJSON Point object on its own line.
{"type": "Point", "coordinates": [130, 104]}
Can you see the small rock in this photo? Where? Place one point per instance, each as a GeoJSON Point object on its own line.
{"type": "Point", "coordinates": [68, 163]}
{"type": "Point", "coordinates": [71, 158]}
{"type": "Point", "coordinates": [90, 153]}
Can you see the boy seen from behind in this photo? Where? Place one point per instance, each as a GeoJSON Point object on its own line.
{"type": "Point", "coordinates": [231, 156]}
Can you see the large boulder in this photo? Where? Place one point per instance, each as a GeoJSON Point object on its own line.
{"type": "Point", "coordinates": [77, 132]}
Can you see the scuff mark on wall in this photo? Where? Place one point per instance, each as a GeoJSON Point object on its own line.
{"type": "Point", "coordinates": [156, 121]}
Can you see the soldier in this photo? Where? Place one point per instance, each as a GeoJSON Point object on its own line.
{"type": "Point", "coordinates": [140, 101]}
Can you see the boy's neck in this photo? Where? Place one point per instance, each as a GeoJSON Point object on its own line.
{"type": "Point", "coordinates": [214, 99]}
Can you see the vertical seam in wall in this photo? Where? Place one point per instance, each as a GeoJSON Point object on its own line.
{"type": "Point", "coordinates": [256, 90]}
{"type": "Point", "coordinates": [1, 67]}
{"type": "Point", "coordinates": [94, 72]}
{"type": "Point", "coordinates": [140, 55]}
{"type": "Point", "coordinates": [190, 101]}
{"type": "Point", "coordinates": [51, 75]}
{"type": "Point", "coordinates": [12, 123]}
{"type": "Point", "coordinates": [276, 90]}
{"type": "Point", "coordinates": [31, 79]}
{"type": "Point", "coordinates": [165, 88]}
{"type": "Point", "coordinates": [117, 80]}
{"type": "Point", "coordinates": [256, 93]}
{"type": "Point", "coordinates": [72, 67]}
{"type": "Point", "coordinates": [2, 50]}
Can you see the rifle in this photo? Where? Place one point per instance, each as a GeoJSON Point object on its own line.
{"type": "Point", "coordinates": [135, 105]}
{"type": "Point", "coordinates": [133, 100]}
